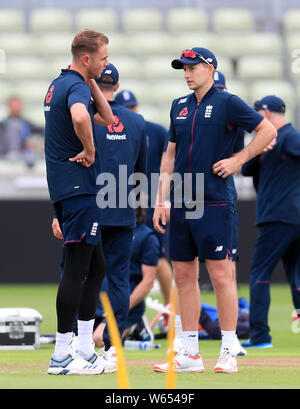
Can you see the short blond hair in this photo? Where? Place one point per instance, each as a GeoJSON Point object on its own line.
{"type": "Point", "coordinates": [87, 42]}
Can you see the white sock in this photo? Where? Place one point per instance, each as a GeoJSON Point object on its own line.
{"type": "Point", "coordinates": [178, 326]}
{"type": "Point", "coordinates": [228, 338]}
{"type": "Point", "coordinates": [85, 337]}
{"type": "Point", "coordinates": [190, 342]}
{"type": "Point", "coordinates": [63, 344]}
{"type": "Point", "coordinates": [236, 341]}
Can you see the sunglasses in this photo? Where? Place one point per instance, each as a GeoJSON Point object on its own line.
{"type": "Point", "coordinates": [192, 54]}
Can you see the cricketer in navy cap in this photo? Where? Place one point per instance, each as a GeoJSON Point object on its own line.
{"type": "Point", "coordinates": [219, 80]}
{"type": "Point", "coordinates": [110, 71]}
{"type": "Point", "coordinates": [126, 98]}
{"type": "Point", "coordinates": [270, 102]}
{"type": "Point", "coordinates": [194, 56]}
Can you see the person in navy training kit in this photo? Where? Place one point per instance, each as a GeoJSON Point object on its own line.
{"type": "Point", "coordinates": [220, 83]}
{"type": "Point", "coordinates": [71, 174]}
{"type": "Point", "coordinates": [203, 133]}
{"type": "Point", "coordinates": [211, 325]}
{"type": "Point", "coordinates": [277, 218]}
{"type": "Point", "coordinates": [157, 138]}
{"type": "Point", "coordinates": [122, 144]}
{"type": "Point", "coordinates": [142, 272]}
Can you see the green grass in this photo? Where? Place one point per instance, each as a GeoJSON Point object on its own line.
{"type": "Point", "coordinates": [28, 369]}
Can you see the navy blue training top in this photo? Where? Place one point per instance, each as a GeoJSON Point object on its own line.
{"type": "Point", "coordinates": [278, 195]}
{"type": "Point", "coordinates": [205, 133]}
{"type": "Point", "coordinates": [66, 179]}
{"type": "Point", "coordinates": [252, 168]}
{"type": "Point", "coordinates": [123, 143]}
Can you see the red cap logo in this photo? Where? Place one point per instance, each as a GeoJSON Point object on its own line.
{"type": "Point", "coordinates": [117, 126]}
{"type": "Point", "coordinates": [184, 112]}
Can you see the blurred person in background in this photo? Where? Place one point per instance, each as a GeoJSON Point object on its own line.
{"type": "Point", "coordinates": [122, 144]}
{"type": "Point", "coordinates": [277, 176]}
{"type": "Point", "coordinates": [157, 139]}
{"type": "Point", "coordinates": [142, 272]}
{"type": "Point", "coordinates": [15, 133]}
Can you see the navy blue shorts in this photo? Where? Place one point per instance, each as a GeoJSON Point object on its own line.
{"type": "Point", "coordinates": [79, 217]}
{"type": "Point", "coordinates": [209, 237]}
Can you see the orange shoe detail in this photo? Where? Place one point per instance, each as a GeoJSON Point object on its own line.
{"type": "Point", "coordinates": [194, 357]}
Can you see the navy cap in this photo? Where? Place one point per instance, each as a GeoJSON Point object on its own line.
{"type": "Point", "coordinates": [126, 98]}
{"type": "Point", "coordinates": [219, 80]}
{"type": "Point", "coordinates": [201, 55]}
{"type": "Point", "coordinates": [272, 103]}
{"type": "Point", "coordinates": [109, 71]}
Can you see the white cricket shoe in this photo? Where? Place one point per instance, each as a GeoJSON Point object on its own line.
{"type": "Point", "coordinates": [73, 364]}
{"type": "Point", "coordinates": [108, 360]}
{"type": "Point", "coordinates": [227, 362]}
{"type": "Point", "coordinates": [183, 363]}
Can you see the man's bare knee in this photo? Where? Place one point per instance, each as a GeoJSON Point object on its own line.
{"type": "Point", "coordinates": [220, 272]}
{"type": "Point", "coordinates": [185, 273]}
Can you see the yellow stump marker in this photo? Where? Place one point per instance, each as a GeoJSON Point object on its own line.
{"type": "Point", "coordinates": [171, 374]}
{"type": "Point", "coordinates": [114, 333]}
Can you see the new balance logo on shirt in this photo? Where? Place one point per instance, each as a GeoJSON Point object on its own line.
{"type": "Point", "coordinates": [219, 248]}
